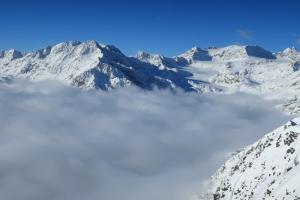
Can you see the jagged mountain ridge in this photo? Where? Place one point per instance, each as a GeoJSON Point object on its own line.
{"type": "Point", "coordinates": [268, 169]}
{"type": "Point", "coordinates": [196, 54]}
{"type": "Point", "coordinates": [90, 65]}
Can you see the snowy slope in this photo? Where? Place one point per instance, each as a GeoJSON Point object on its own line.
{"type": "Point", "coordinates": [268, 169]}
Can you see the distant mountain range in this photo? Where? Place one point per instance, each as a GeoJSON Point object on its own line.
{"type": "Point", "coordinates": [90, 65]}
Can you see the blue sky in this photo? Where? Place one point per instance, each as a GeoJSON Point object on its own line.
{"type": "Point", "coordinates": [167, 26]}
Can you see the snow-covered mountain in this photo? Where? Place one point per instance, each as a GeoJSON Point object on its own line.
{"type": "Point", "coordinates": [231, 69]}
{"type": "Point", "coordinates": [268, 169]}
{"type": "Point", "coordinates": [90, 65]}
{"type": "Point", "coordinates": [158, 60]}
{"type": "Point", "coordinates": [290, 53]}
{"type": "Point", "coordinates": [249, 69]}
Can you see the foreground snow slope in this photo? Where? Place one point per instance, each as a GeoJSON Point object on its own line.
{"type": "Point", "coordinates": [268, 169]}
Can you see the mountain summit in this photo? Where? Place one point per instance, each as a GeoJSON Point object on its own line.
{"type": "Point", "coordinates": [196, 54]}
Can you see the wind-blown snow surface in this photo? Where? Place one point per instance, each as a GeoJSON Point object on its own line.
{"type": "Point", "coordinates": [268, 169]}
{"type": "Point", "coordinates": [61, 143]}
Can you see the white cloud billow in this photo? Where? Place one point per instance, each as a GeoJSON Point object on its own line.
{"type": "Point", "coordinates": [59, 143]}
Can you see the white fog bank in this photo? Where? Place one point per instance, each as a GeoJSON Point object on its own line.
{"type": "Point", "coordinates": [61, 143]}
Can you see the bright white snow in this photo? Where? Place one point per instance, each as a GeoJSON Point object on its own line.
{"type": "Point", "coordinates": [268, 169]}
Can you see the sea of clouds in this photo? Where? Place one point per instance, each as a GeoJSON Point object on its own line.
{"type": "Point", "coordinates": [62, 143]}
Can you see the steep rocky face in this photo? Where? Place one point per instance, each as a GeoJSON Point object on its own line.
{"type": "Point", "coordinates": [268, 169]}
{"type": "Point", "coordinates": [259, 52]}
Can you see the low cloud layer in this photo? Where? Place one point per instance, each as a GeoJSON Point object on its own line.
{"type": "Point", "coordinates": [59, 143]}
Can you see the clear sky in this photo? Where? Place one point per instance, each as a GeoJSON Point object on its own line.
{"type": "Point", "coordinates": [167, 26]}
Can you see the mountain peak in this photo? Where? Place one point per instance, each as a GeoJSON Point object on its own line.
{"type": "Point", "coordinates": [158, 60]}
{"type": "Point", "coordinates": [11, 54]}
{"type": "Point", "coordinates": [144, 55]}
{"type": "Point", "coordinates": [290, 53]}
{"type": "Point", "coordinates": [290, 50]}
{"type": "Point", "coordinates": [195, 49]}
{"type": "Point", "coordinates": [196, 54]}
{"type": "Point", "coordinates": [113, 48]}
